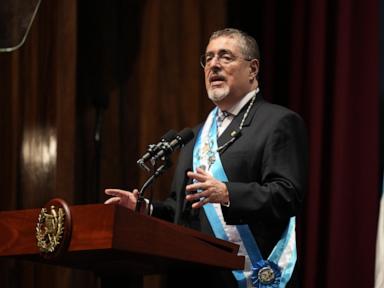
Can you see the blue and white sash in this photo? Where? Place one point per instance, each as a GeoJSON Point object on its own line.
{"type": "Point", "coordinates": [274, 272]}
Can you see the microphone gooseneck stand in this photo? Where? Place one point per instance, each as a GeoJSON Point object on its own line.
{"type": "Point", "coordinates": [156, 173]}
{"type": "Point", "coordinates": [161, 151]}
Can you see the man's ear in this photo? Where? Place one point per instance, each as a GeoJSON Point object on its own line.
{"type": "Point", "coordinates": [254, 69]}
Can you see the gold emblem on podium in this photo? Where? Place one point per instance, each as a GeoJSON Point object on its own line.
{"type": "Point", "coordinates": [54, 229]}
{"type": "Point", "coordinates": [50, 228]}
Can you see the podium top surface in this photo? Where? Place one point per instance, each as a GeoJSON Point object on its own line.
{"type": "Point", "coordinates": [110, 237]}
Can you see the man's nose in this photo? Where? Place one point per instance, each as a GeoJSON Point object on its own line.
{"type": "Point", "coordinates": [215, 65]}
{"type": "Point", "coordinates": [215, 68]}
{"type": "Point", "coordinates": [215, 61]}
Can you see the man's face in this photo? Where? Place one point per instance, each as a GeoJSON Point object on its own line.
{"type": "Point", "coordinates": [228, 76]}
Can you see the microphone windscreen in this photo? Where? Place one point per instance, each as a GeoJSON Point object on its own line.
{"type": "Point", "coordinates": [186, 135]}
{"type": "Point", "coordinates": [167, 137]}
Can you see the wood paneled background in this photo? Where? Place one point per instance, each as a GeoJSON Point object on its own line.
{"type": "Point", "coordinates": [131, 65]}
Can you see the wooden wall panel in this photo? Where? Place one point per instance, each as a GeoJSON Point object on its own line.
{"type": "Point", "coordinates": [38, 85]}
{"type": "Point", "coordinates": [37, 128]}
{"type": "Point", "coordinates": [140, 67]}
{"type": "Point", "coordinates": [137, 63]}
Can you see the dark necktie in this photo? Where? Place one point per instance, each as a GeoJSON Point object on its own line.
{"type": "Point", "coordinates": [221, 115]}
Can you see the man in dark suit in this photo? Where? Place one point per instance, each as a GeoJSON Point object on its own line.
{"type": "Point", "coordinates": [243, 176]}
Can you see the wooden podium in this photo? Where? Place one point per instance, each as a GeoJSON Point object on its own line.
{"type": "Point", "coordinates": [110, 239]}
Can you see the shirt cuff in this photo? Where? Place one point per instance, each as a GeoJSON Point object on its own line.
{"type": "Point", "coordinates": [150, 207]}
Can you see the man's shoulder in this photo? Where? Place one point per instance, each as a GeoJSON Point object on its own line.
{"type": "Point", "coordinates": [271, 117]}
{"type": "Point", "coordinates": [277, 111]}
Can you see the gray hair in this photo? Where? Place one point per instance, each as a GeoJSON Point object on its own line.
{"type": "Point", "coordinates": [248, 44]}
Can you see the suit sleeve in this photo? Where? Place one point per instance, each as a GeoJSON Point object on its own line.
{"type": "Point", "coordinates": [279, 192]}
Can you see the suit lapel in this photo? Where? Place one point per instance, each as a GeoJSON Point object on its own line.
{"type": "Point", "coordinates": [235, 124]}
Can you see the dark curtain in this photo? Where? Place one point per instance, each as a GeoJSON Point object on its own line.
{"type": "Point", "coordinates": [321, 58]}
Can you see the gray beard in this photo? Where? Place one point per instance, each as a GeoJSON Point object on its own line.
{"type": "Point", "coordinates": [218, 94]}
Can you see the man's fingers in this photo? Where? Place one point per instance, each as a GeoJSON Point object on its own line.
{"type": "Point", "coordinates": [202, 172]}
{"type": "Point", "coordinates": [196, 186]}
{"type": "Point", "coordinates": [200, 204]}
{"type": "Point", "coordinates": [198, 195]}
{"type": "Point", "coordinates": [113, 200]}
{"type": "Point", "coordinates": [116, 192]}
{"type": "Point", "coordinates": [197, 176]}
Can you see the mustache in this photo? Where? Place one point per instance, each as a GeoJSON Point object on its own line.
{"type": "Point", "coordinates": [216, 77]}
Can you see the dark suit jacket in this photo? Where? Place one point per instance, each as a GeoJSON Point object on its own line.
{"type": "Point", "coordinates": [267, 171]}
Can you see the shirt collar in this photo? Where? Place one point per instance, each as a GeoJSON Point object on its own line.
{"type": "Point", "coordinates": [235, 109]}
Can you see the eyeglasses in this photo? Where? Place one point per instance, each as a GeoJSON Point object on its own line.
{"type": "Point", "coordinates": [224, 57]}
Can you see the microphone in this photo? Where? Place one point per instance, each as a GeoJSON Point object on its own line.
{"type": "Point", "coordinates": [154, 148]}
{"type": "Point", "coordinates": [163, 148]}
{"type": "Point", "coordinates": [180, 140]}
